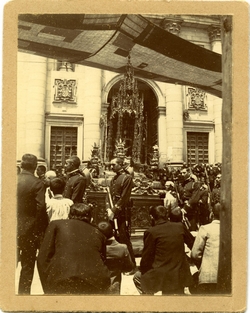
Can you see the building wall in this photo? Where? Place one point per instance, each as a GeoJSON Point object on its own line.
{"type": "Point", "coordinates": [31, 95]}
{"type": "Point", "coordinates": [37, 111]}
{"type": "Point", "coordinates": [196, 36]}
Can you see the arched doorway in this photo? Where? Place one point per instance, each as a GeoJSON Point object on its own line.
{"type": "Point", "coordinates": [134, 131]}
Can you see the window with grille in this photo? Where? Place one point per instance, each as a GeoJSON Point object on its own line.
{"type": "Point", "coordinates": [63, 144]}
{"type": "Point", "coordinates": [197, 148]}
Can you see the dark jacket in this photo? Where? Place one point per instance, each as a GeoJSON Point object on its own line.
{"type": "Point", "coordinates": [164, 265]}
{"type": "Point", "coordinates": [75, 187]}
{"type": "Point", "coordinates": [31, 211]}
{"type": "Point", "coordinates": [73, 249]}
{"type": "Point", "coordinates": [118, 260]}
{"type": "Point", "coordinates": [215, 196]}
{"type": "Point", "coordinates": [192, 193]}
{"type": "Point", "coordinates": [120, 188]}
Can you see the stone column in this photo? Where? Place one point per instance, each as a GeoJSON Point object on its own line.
{"type": "Point", "coordinates": [22, 89]}
{"type": "Point", "coordinates": [92, 109]}
{"type": "Point", "coordinates": [174, 124]}
{"type": "Point", "coordinates": [214, 33]}
{"type": "Point", "coordinates": [162, 135]}
{"type": "Point", "coordinates": [31, 104]}
{"type": "Point", "coordinates": [218, 129]}
{"type": "Point", "coordinates": [171, 134]}
{"type": "Point", "coordinates": [215, 40]}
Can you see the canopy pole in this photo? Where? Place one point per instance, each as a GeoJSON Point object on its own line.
{"type": "Point", "coordinates": [225, 257]}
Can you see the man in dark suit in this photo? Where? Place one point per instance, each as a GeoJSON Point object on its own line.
{"type": "Point", "coordinates": [215, 195]}
{"type": "Point", "coordinates": [118, 257]}
{"type": "Point", "coordinates": [31, 219]}
{"type": "Point", "coordinates": [72, 255]}
{"type": "Point", "coordinates": [190, 195]}
{"type": "Point", "coordinates": [76, 181]}
{"type": "Point", "coordinates": [40, 171]}
{"type": "Point", "coordinates": [164, 265]}
{"type": "Point", "coordinates": [120, 188]}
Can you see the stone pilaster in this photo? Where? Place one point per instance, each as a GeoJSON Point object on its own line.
{"type": "Point", "coordinates": [174, 123]}
{"type": "Point", "coordinates": [92, 109]}
{"type": "Point", "coordinates": [31, 88]}
{"type": "Point", "coordinates": [104, 109]}
{"type": "Point", "coordinates": [218, 129]}
{"type": "Point", "coordinates": [214, 33]}
{"type": "Point", "coordinates": [22, 89]}
{"type": "Point", "coordinates": [215, 39]}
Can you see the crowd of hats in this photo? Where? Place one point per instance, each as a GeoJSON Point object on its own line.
{"type": "Point", "coordinates": [206, 171]}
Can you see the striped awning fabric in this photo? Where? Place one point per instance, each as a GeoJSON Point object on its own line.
{"type": "Point", "coordinates": [105, 40]}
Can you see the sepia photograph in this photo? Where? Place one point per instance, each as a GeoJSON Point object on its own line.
{"type": "Point", "coordinates": [128, 142]}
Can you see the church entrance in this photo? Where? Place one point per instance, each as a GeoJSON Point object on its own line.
{"type": "Point", "coordinates": [136, 128]}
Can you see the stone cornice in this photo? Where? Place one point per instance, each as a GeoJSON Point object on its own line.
{"type": "Point", "coordinates": [197, 21]}
{"type": "Point", "coordinates": [57, 116]}
{"type": "Point", "coordinates": [198, 124]}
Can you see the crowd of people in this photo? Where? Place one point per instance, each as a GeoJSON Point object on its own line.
{"type": "Point", "coordinates": [75, 256]}
{"type": "Point", "coordinates": [191, 196]}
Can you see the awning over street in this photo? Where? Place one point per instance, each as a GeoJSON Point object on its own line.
{"type": "Point", "coordinates": [105, 40]}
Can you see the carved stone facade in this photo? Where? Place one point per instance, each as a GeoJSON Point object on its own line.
{"type": "Point", "coordinates": [65, 90]}
{"type": "Point", "coordinates": [74, 96]}
{"type": "Point", "coordinates": [173, 27]}
{"type": "Point", "coordinates": [196, 99]}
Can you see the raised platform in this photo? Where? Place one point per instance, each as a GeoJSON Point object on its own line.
{"type": "Point", "coordinates": [137, 242]}
{"type": "Point", "coordinates": [140, 219]}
